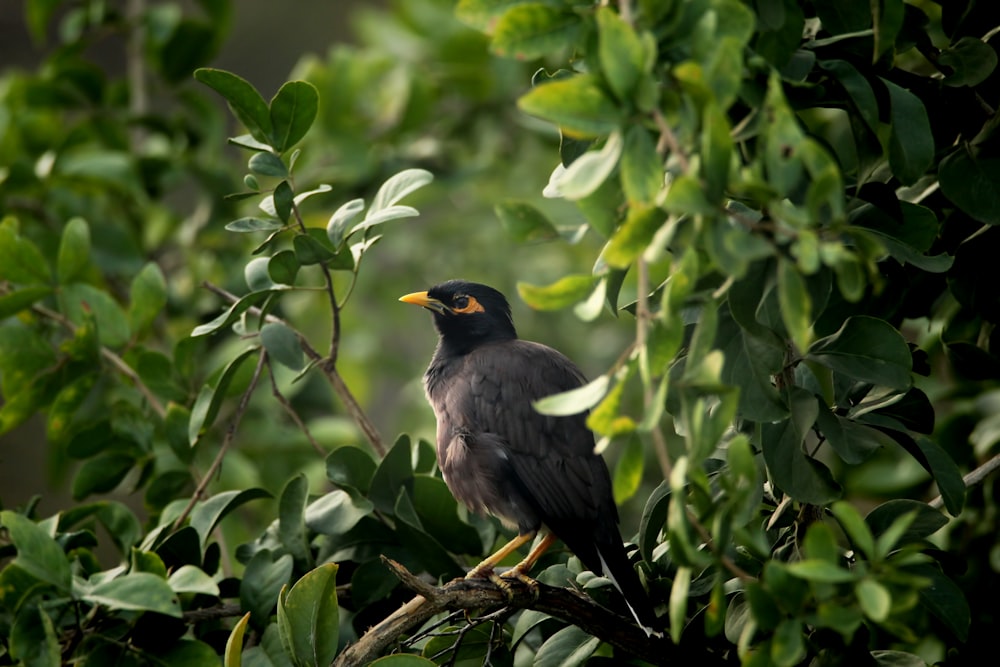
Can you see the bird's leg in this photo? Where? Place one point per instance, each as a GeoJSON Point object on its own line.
{"type": "Point", "coordinates": [520, 571]}
{"type": "Point", "coordinates": [485, 569]}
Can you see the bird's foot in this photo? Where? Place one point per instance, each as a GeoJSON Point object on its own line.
{"type": "Point", "coordinates": [480, 572]}
{"type": "Point", "coordinates": [517, 574]}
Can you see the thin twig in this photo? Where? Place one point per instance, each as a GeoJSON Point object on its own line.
{"type": "Point", "coordinates": [111, 357]}
{"type": "Point", "coordinates": [227, 441]}
{"type": "Point", "coordinates": [668, 140]}
{"type": "Point", "coordinates": [328, 369]}
{"type": "Point", "coordinates": [643, 317]}
{"type": "Point", "coordinates": [973, 478]}
{"type": "Point", "coordinates": [291, 411]}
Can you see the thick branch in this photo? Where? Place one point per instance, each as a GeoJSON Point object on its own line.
{"type": "Point", "coordinates": [482, 594]}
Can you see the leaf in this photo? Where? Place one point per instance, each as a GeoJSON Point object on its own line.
{"type": "Point", "coordinates": [796, 306]}
{"type": "Point", "coordinates": [139, 591]}
{"type": "Point", "coordinates": [283, 267]}
{"type": "Point", "coordinates": [574, 401]}
{"type": "Point", "coordinates": [74, 250]}
{"type": "Point", "coordinates": [533, 30]}
{"type": "Point", "coordinates": [867, 349]}
{"type": "Point", "coordinates": [147, 297]}
{"type": "Point", "coordinates": [337, 512]}
{"type": "Point", "coordinates": [587, 172]}
{"type": "Point", "coordinates": [973, 184]}
{"type": "Point", "coordinates": [887, 19]}
{"type": "Point", "coordinates": [945, 600]}
{"type": "Point", "coordinates": [634, 236]}
{"type": "Point", "coordinates": [20, 260]}
{"type": "Point", "coordinates": [620, 52]}
{"type": "Point", "coordinates": [628, 470]}
{"type": "Point", "coordinates": [32, 639]}
{"type": "Point", "coordinates": [788, 646]}
{"type": "Point", "coordinates": [679, 602]}
{"type": "Point", "coordinates": [191, 579]}
{"type": "Point", "coordinates": [251, 224]}
{"type": "Point", "coordinates": [262, 580]}
{"type": "Point", "coordinates": [234, 645]}
{"type": "Point", "coordinates": [653, 519]}
{"type": "Point", "coordinates": [857, 88]}
{"type": "Point", "coordinates": [853, 442]}
{"type": "Point", "coordinates": [208, 513]}
{"type": "Point", "coordinates": [384, 215]}
{"type": "Point", "coordinates": [926, 520]}
{"type": "Point", "coordinates": [38, 553]}
{"type": "Point", "coordinates": [576, 104]}
{"type": "Point", "coordinates": [350, 467]}
{"type": "Point", "coordinates": [686, 197]}
{"type": "Point", "coordinates": [398, 186]}
{"type": "Point", "coordinates": [14, 302]}
{"type": "Point", "coordinates": [857, 530]}
{"type": "Point", "coordinates": [209, 400]}
{"type": "Point", "coordinates": [394, 473]}
{"type": "Point", "coordinates": [292, 519]}
{"type": "Point", "coordinates": [231, 314]}
{"type": "Point", "coordinates": [336, 228]}
{"type": "Point", "coordinates": [716, 150]}
{"type": "Point", "coordinates": [246, 103]}
{"type": "Point", "coordinates": [800, 476]}
{"type": "Point", "coordinates": [569, 647]}
{"type": "Point", "coordinates": [971, 60]}
{"type": "Point", "coordinates": [821, 571]}
{"type": "Point", "coordinates": [81, 300]}
{"type": "Point", "coordinates": [309, 617]}
{"type": "Point", "coordinates": [101, 474]}
{"type": "Point", "coordinates": [283, 344]}
{"type": "Point", "coordinates": [946, 473]}
{"type": "Point", "coordinates": [641, 167]}
{"type": "Point", "coordinates": [911, 141]}
{"type": "Point", "coordinates": [266, 163]}
{"type": "Point", "coordinates": [524, 223]}
{"type": "Point", "coordinates": [560, 294]}
{"type": "Point", "coordinates": [292, 112]}
{"type": "Point", "coordinates": [751, 361]}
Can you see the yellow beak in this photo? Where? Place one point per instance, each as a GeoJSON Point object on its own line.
{"type": "Point", "coordinates": [422, 299]}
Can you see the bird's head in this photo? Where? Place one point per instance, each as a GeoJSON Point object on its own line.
{"type": "Point", "coordinates": [466, 314]}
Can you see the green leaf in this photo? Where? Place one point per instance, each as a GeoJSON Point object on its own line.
{"type": "Point", "coordinates": [628, 470]}
{"type": "Point", "coordinates": [251, 224]}
{"type": "Point", "coordinates": [336, 228]}
{"type": "Point", "coordinates": [101, 474]}
{"type": "Point", "coordinates": [231, 314]}
{"type": "Point", "coordinates": [281, 201]}
{"type": "Point", "coordinates": [574, 401]}
{"type": "Point", "coordinates": [81, 300]}
{"type": "Point", "coordinates": [384, 215]}
{"type": "Point", "coordinates": [208, 513]}
{"type": "Point", "coordinates": [402, 660]}
{"type": "Point", "coordinates": [33, 640]}
{"type": "Point", "coordinates": [716, 152]}
{"type": "Point", "coordinates": [338, 511]}
{"type": "Point", "coordinates": [926, 520]}
{"type": "Point", "coordinates": [283, 344]}
{"type": "Point", "coordinates": [857, 88]}
{"type": "Point", "coordinates": [971, 60]}
{"type": "Point", "coordinates": [945, 600]}
{"type": "Point", "coordinates": [855, 527]}
{"type": "Point", "coordinates": [788, 646]}
{"type": "Point", "coordinates": [139, 591]}
{"type": "Point", "coordinates": [256, 275]}
{"type": "Point", "coordinates": [620, 52]}
{"type": "Point", "coordinates": [209, 400]}
{"type": "Point", "coordinates": [634, 236]}
{"type": "Point", "coordinates": [147, 297]}
{"type": "Point", "coordinates": [292, 519]}
{"type": "Point", "coordinates": [22, 299]}
{"type": "Point", "coordinates": [973, 184]}
{"type": "Point", "coordinates": [853, 442]}
{"type": "Point", "coordinates": [38, 553]}
{"type": "Point", "coordinates": [874, 599]}
{"type": "Point", "coordinates": [533, 30]}
{"type": "Point", "coordinates": [394, 473]}
{"type": "Point", "coordinates": [283, 267]}
{"type": "Point", "coordinates": [821, 571]}
{"type": "Point", "coordinates": [751, 361]}
{"type": "Point", "coordinates": [309, 618]}
{"type": "Point", "coordinates": [266, 163]}
{"type": "Point", "coordinates": [74, 250]}
{"type": "Point", "coordinates": [398, 186]}
{"type": "Point", "coordinates": [245, 102]}
{"type": "Point", "coordinates": [679, 602]}
{"type": "Point", "coordinates": [587, 172]}
{"type": "Point", "coordinates": [800, 476]}
{"type": "Point", "coordinates": [292, 112]}
{"type": "Point", "coordinates": [686, 197]}
{"type": "Point", "coordinates": [911, 142]}
{"type": "Point", "coordinates": [576, 104]}
{"type": "Point", "coordinates": [946, 473]}
{"type": "Point", "coordinates": [569, 647]}
{"type": "Point", "coordinates": [262, 581]}
{"type": "Point", "coordinates": [887, 19]}
{"type": "Point", "coordinates": [560, 294]}
{"type": "Point", "coordinates": [191, 579]}
{"type": "Point", "coordinates": [641, 167]}
{"type": "Point", "coordinates": [867, 349]}
{"type": "Point", "coordinates": [20, 260]}
{"type": "Point", "coordinates": [350, 467]}
{"type": "Point", "coordinates": [796, 306]}
{"type": "Point", "coordinates": [524, 223]}
{"type": "Point", "coordinates": [311, 249]}
{"type": "Point", "coordinates": [234, 645]}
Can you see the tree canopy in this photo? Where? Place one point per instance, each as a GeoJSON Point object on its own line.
{"type": "Point", "coordinates": [765, 230]}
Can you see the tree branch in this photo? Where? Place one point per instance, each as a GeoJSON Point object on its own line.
{"type": "Point", "coordinates": [473, 594]}
{"type": "Point", "coordinates": [973, 478]}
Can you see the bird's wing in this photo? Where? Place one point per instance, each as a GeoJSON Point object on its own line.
{"type": "Point", "coordinates": [552, 457]}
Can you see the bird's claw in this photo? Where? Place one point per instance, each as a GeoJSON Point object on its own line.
{"type": "Point", "coordinates": [504, 583]}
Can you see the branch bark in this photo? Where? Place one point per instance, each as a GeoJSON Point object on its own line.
{"type": "Point", "coordinates": [481, 594]}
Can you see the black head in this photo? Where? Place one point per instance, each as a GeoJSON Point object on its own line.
{"type": "Point", "coordinates": [466, 314]}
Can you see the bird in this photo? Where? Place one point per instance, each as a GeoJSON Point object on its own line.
{"type": "Point", "coordinates": [498, 455]}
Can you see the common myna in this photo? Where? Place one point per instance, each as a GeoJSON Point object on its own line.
{"type": "Point", "coordinates": [500, 455]}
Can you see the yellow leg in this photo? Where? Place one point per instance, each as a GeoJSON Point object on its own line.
{"type": "Point", "coordinates": [522, 568]}
{"type": "Point", "coordinates": [485, 569]}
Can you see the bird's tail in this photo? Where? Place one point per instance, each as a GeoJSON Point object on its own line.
{"type": "Point", "coordinates": [619, 570]}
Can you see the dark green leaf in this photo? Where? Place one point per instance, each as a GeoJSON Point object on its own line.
{"type": "Point", "coordinates": [524, 223]}
{"type": "Point", "coordinates": [751, 362]}
{"type": "Point", "coordinates": [293, 110]}
{"type": "Point", "coordinates": [283, 267]}
{"type": "Point", "coordinates": [292, 519]}
{"type": "Point", "coordinates": [853, 442]}
{"type": "Point", "coordinates": [716, 151]}
{"type": "Point", "coordinates": [858, 89]}
{"type": "Point", "coordinates": [262, 580]}
{"type": "Point", "coordinates": [621, 53]}
{"type": "Point", "coordinates": [350, 467]}
{"type": "Point", "coordinates": [887, 19]}
{"type": "Point", "coordinates": [945, 600]}
{"type": "Point", "coordinates": [246, 103]}
{"type": "Point", "coordinates": [283, 344]}
{"type": "Point", "coordinates": [231, 314]}
{"type": "Point", "coordinates": [926, 522]}
{"type": "Point", "coordinates": [911, 142]}
{"type": "Point", "coordinates": [81, 301]}
{"type": "Point", "coordinates": [266, 163]}
{"type": "Point", "coordinates": [569, 647]}
{"type": "Point", "coordinates": [867, 349]}
{"type": "Point", "coordinates": [20, 260]}
{"type": "Point", "coordinates": [529, 31]}
{"type": "Point", "coordinates": [209, 400]}
{"type": "Point", "coordinates": [946, 473]}
{"type": "Point", "coordinates": [337, 512]}
{"type": "Point", "coordinates": [973, 184]}
{"type": "Point", "coordinates": [101, 474]}
{"type": "Point", "coordinates": [208, 513]}
{"type": "Point", "coordinates": [788, 645]}
{"type": "Point", "coordinates": [33, 641]}
{"type": "Point", "coordinates": [576, 104]}
{"type": "Point", "coordinates": [971, 60]}
{"type": "Point", "coordinates": [22, 299]}
{"type": "Point", "coordinates": [394, 473]}
{"type": "Point", "coordinates": [282, 200]}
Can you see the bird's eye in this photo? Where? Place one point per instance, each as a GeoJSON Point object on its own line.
{"type": "Point", "coordinates": [466, 304]}
{"type": "Point", "coordinates": [460, 302]}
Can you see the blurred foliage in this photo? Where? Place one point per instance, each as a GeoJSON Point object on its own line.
{"type": "Point", "coordinates": [763, 228]}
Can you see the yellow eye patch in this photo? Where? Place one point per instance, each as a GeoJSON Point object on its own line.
{"type": "Point", "coordinates": [467, 304]}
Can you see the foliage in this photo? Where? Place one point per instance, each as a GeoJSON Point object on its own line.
{"type": "Point", "coordinates": [788, 208]}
